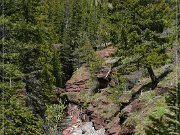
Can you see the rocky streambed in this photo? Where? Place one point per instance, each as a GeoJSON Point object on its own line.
{"type": "Point", "coordinates": [73, 125]}
{"type": "Point", "coordinates": [88, 129]}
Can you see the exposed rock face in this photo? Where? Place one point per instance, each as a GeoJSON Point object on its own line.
{"type": "Point", "coordinates": [80, 77]}
{"type": "Point", "coordinates": [76, 127]}
{"type": "Point", "coordinates": [113, 130]}
{"type": "Point", "coordinates": [99, 112]}
{"type": "Point", "coordinates": [78, 80]}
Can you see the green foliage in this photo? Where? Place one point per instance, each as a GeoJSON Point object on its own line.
{"type": "Point", "coordinates": [104, 26]}
{"type": "Point", "coordinates": [83, 55]}
{"type": "Point", "coordinates": [54, 115]}
{"type": "Point", "coordinates": [148, 105]}
{"type": "Point", "coordinates": [46, 41]}
{"type": "Point", "coordinates": [71, 36]}
{"type": "Point", "coordinates": [82, 26]}
{"type": "Point", "coordinates": [47, 78]}
{"type": "Point", "coordinates": [118, 87]}
{"type": "Point", "coordinates": [116, 93]}
{"type": "Point", "coordinates": [17, 119]}
{"type": "Point", "coordinates": [86, 55]}
{"type": "Point", "coordinates": [57, 67]}
{"type": "Point", "coordinates": [32, 27]}
{"type": "Point", "coordinates": [141, 28]}
{"type": "Point", "coordinates": [168, 124]}
{"type": "Point", "coordinates": [95, 65]}
{"type": "Point", "coordinates": [12, 78]}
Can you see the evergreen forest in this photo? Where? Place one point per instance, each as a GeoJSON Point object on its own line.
{"type": "Point", "coordinates": [89, 67]}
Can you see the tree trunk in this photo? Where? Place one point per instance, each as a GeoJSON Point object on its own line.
{"type": "Point", "coordinates": [152, 76]}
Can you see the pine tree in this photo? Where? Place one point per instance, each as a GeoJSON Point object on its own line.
{"type": "Point", "coordinates": [72, 35]}
{"type": "Point", "coordinates": [169, 124]}
{"type": "Point", "coordinates": [57, 66]}
{"type": "Point", "coordinates": [27, 63]}
{"type": "Point", "coordinates": [17, 119]}
{"type": "Point", "coordinates": [140, 30]}
{"type": "Point", "coordinates": [91, 21]}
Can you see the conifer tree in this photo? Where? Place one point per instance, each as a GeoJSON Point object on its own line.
{"type": "Point", "coordinates": [27, 63]}
{"type": "Point", "coordinates": [18, 119]}
{"type": "Point", "coordinates": [140, 30]}
{"type": "Point", "coordinates": [72, 35]}
{"type": "Point", "coordinates": [169, 124]}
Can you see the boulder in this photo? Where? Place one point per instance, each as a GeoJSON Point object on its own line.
{"type": "Point", "coordinates": [77, 132]}
{"type": "Point", "coordinates": [114, 127]}
{"type": "Point", "coordinates": [100, 111]}
{"type": "Point", "coordinates": [88, 129]}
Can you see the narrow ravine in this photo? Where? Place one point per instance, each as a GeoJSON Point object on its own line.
{"type": "Point", "coordinates": [73, 125]}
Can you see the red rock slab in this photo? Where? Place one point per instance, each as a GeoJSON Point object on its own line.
{"type": "Point", "coordinates": [78, 80]}
{"type": "Point", "coordinates": [67, 131]}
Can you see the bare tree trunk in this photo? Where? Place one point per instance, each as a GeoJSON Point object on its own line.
{"type": "Point", "coordinates": [67, 13]}
{"type": "Point", "coordinates": [10, 83]}
{"type": "Point", "coordinates": [152, 76]}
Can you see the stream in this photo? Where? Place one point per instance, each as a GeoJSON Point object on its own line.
{"type": "Point", "coordinates": [72, 125]}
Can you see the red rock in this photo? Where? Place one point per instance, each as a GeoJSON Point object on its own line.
{"type": "Point", "coordinates": [78, 80]}
{"type": "Point", "coordinates": [75, 121]}
{"type": "Point", "coordinates": [94, 104]}
{"type": "Point", "coordinates": [67, 131]}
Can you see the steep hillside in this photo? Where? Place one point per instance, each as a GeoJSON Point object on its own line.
{"type": "Point", "coordinates": [92, 67]}
{"type": "Point", "coordinates": [120, 111]}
